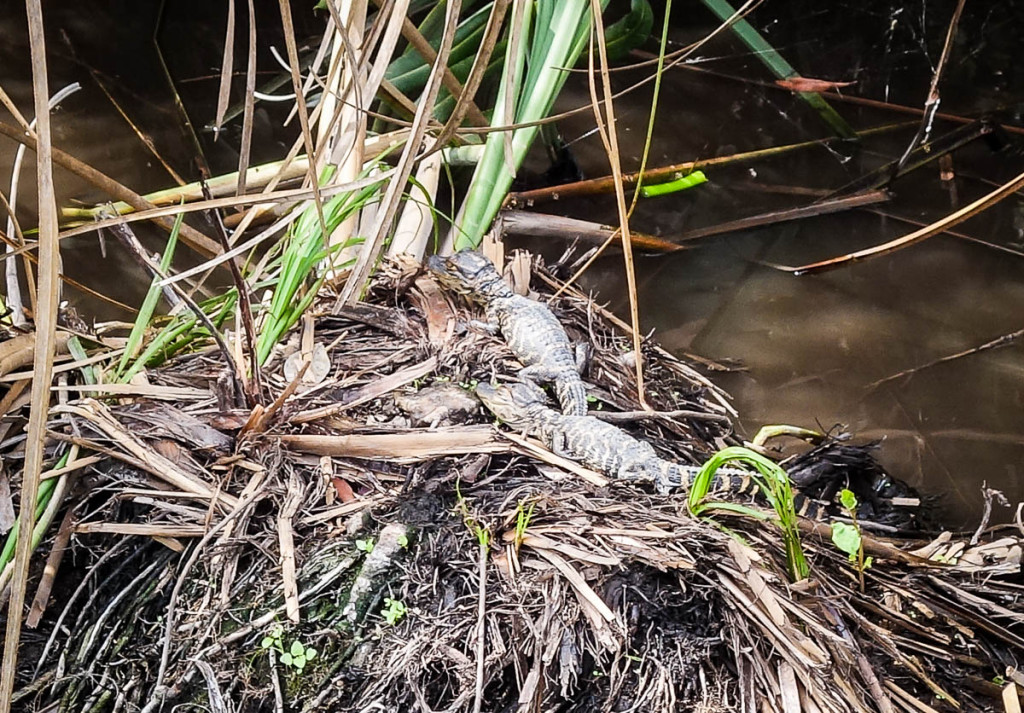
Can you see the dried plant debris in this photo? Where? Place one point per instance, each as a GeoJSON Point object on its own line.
{"type": "Point", "coordinates": [377, 543]}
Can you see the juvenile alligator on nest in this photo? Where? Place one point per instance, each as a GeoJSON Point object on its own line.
{"type": "Point", "coordinates": [532, 332]}
{"type": "Point", "coordinates": [608, 449]}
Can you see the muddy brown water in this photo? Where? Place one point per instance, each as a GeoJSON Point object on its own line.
{"type": "Point", "coordinates": [810, 346]}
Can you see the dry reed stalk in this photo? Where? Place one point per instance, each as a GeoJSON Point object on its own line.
{"type": "Point", "coordinates": [48, 297]}
{"type": "Point", "coordinates": [939, 226]}
{"type": "Point", "coordinates": [342, 124]}
{"type": "Point", "coordinates": [391, 200]}
{"type": "Point", "coordinates": [99, 416]}
{"type": "Point", "coordinates": [413, 445]}
{"type": "Point", "coordinates": [286, 541]}
{"type": "Point", "coordinates": [381, 386]}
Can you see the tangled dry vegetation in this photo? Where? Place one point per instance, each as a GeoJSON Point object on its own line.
{"type": "Point", "coordinates": [327, 554]}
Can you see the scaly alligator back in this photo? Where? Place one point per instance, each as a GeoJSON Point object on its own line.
{"type": "Point", "coordinates": [610, 450]}
{"type": "Point", "coordinates": [532, 332]}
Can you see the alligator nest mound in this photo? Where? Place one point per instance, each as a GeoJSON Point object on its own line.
{"type": "Point", "coordinates": [343, 549]}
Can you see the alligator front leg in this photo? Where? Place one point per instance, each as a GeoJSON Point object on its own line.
{"type": "Point", "coordinates": [571, 393]}
{"type": "Point", "coordinates": [633, 472]}
{"type": "Point", "coordinates": [491, 328]}
{"type": "Point", "coordinates": [559, 447]}
{"type": "Point", "coordinates": [539, 373]}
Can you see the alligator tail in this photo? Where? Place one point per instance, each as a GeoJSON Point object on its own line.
{"type": "Point", "coordinates": [572, 394]}
{"type": "Point", "coordinates": [811, 509]}
{"type": "Point", "coordinates": [734, 481]}
{"type": "Point", "coordinates": [675, 476]}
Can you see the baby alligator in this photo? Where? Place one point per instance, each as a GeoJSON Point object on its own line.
{"type": "Point", "coordinates": [608, 449]}
{"type": "Point", "coordinates": [532, 332]}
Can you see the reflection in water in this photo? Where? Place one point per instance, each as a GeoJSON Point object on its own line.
{"type": "Point", "coordinates": [813, 345]}
{"type": "Point", "coordinates": [108, 47]}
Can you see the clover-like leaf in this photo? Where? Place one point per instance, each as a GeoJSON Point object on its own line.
{"type": "Point", "coordinates": [299, 662]}
{"type": "Point", "coordinates": [267, 642]}
{"type": "Point", "coordinates": [286, 658]}
{"type": "Point", "coordinates": [310, 653]}
{"type": "Point", "coordinates": [297, 649]}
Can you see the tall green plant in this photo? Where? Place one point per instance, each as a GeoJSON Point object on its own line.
{"type": "Point", "coordinates": [554, 33]}
{"type": "Point", "coordinates": [773, 482]}
{"type": "Point", "coordinates": [304, 248]}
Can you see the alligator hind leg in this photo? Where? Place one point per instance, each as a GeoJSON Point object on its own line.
{"type": "Point", "coordinates": [559, 446]}
{"type": "Point", "coordinates": [582, 357]}
{"type": "Point", "coordinates": [633, 472]}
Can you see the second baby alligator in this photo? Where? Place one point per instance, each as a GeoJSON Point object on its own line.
{"type": "Point", "coordinates": [532, 332]}
{"type": "Point", "coordinates": [607, 448]}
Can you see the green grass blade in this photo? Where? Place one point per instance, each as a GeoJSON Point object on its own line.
{"type": "Point", "coordinates": [773, 482]}
{"type": "Point", "coordinates": [77, 352]}
{"type": "Point", "coordinates": [150, 302]}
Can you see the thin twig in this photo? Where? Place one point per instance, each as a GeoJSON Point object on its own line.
{"type": "Point", "coordinates": [250, 104]}
{"type": "Point", "coordinates": [13, 286]}
{"type": "Point", "coordinates": [300, 103]}
{"type": "Point", "coordinates": [226, 69]}
{"type": "Point", "coordinates": [991, 344]}
{"type": "Point", "coordinates": [609, 135]}
{"type": "Point", "coordinates": [253, 390]}
{"type": "Point", "coordinates": [848, 99]}
{"type": "Point", "coordinates": [917, 236]}
{"type": "Point", "coordinates": [126, 235]}
{"type": "Point", "coordinates": [626, 416]}
{"type": "Point", "coordinates": [396, 187]}
{"type": "Point", "coordinates": [989, 494]}
{"type": "Point", "coordinates": [464, 104]}
{"type": "Point", "coordinates": [932, 104]}
{"type": "Point", "coordinates": [481, 626]}
{"type": "Point", "coordinates": [160, 689]}
{"type": "Point", "coordinates": [606, 184]}
{"type": "Point", "coordinates": [192, 237]}
{"type": "Point", "coordinates": [419, 43]}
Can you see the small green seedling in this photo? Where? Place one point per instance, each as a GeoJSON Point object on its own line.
{"type": "Point", "coordinates": [297, 655]}
{"type": "Point", "coordinates": [848, 538]}
{"type": "Point", "coordinates": [482, 534]}
{"type": "Point", "coordinates": [394, 610]}
{"type": "Point", "coordinates": [523, 518]}
{"type": "Point", "coordinates": [403, 541]}
{"type": "Point", "coordinates": [365, 545]}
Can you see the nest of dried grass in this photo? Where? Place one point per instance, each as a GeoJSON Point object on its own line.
{"type": "Point", "coordinates": [463, 569]}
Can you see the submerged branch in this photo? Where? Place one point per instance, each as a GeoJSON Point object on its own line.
{"type": "Point", "coordinates": [917, 236]}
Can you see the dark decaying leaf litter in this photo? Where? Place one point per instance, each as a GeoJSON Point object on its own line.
{"type": "Point", "coordinates": [332, 552]}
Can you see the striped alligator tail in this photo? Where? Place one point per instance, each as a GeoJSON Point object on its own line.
{"type": "Point", "coordinates": [733, 482]}
{"type": "Point", "coordinates": [571, 393]}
